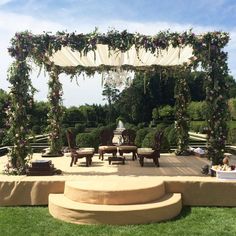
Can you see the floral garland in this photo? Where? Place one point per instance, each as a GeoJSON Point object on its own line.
{"type": "Point", "coordinates": [39, 48]}
{"type": "Point", "coordinates": [21, 100]}
{"type": "Point", "coordinates": [182, 96]}
{"type": "Point", "coordinates": [216, 99]}
{"type": "Point", "coordinates": [55, 114]}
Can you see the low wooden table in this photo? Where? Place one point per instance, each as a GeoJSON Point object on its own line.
{"type": "Point", "coordinates": [116, 158]}
{"type": "Point", "coordinates": [41, 168]}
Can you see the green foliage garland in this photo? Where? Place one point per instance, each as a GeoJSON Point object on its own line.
{"type": "Point", "coordinates": [21, 94]}
{"type": "Point", "coordinates": [41, 47]}
{"type": "Point", "coordinates": [182, 95]}
{"type": "Point", "coordinates": [217, 107]}
{"type": "Point", "coordinates": [55, 114]}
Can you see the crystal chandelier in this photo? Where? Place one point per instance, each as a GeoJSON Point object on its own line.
{"type": "Point", "coordinates": [118, 78]}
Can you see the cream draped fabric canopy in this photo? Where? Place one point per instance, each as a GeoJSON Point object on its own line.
{"type": "Point", "coordinates": [102, 56]}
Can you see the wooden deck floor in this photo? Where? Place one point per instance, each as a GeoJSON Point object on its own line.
{"type": "Point", "coordinates": [170, 165]}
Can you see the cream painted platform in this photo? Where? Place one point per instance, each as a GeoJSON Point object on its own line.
{"type": "Point", "coordinates": [117, 203]}
{"type": "Point", "coordinates": [179, 174]}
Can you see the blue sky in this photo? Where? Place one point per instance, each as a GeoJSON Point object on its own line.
{"type": "Point", "coordinates": [144, 16]}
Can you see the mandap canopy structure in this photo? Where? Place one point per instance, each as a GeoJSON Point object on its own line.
{"type": "Point", "coordinates": [73, 54]}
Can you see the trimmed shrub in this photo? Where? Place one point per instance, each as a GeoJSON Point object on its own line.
{"type": "Point", "coordinates": [171, 135]}
{"type": "Point", "coordinates": [231, 137]}
{"type": "Point", "coordinates": [203, 128]}
{"type": "Point", "coordinates": [96, 137]}
{"type": "Point", "coordinates": [141, 125]}
{"type": "Point", "coordinates": [155, 114]}
{"type": "Point", "coordinates": [232, 108]}
{"type": "Point", "coordinates": [95, 134]}
{"type": "Point", "coordinates": [130, 126]}
{"type": "Point", "coordinates": [161, 126]}
{"type": "Point", "coordinates": [197, 110]}
{"type": "Point", "coordinates": [111, 126]}
{"type": "Point", "coordinates": [231, 124]}
{"type": "Point", "coordinates": [140, 135]}
{"type": "Point", "coordinates": [166, 112]}
{"type": "Point", "coordinates": [195, 126]}
{"type": "Point", "coordinates": [149, 141]}
{"type": "Point", "coordinates": [79, 128]}
{"type": "Point", "coordinates": [84, 140]}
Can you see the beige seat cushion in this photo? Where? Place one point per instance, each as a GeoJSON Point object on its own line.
{"type": "Point", "coordinates": [86, 151]}
{"type": "Point", "coordinates": [145, 151]}
{"type": "Point", "coordinates": [127, 148]}
{"type": "Point", "coordinates": [107, 148]}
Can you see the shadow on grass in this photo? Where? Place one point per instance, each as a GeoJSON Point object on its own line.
{"type": "Point", "coordinates": [186, 211]}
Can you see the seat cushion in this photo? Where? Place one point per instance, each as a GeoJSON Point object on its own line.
{"type": "Point", "coordinates": [145, 151]}
{"type": "Point", "coordinates": [127, 148]}
{"type": "Point", "coordinates": [86, 151]}
{"type": "Point", "coordinates": [107, 148]}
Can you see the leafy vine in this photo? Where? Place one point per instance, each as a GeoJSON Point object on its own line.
{"type": "Point", "coordinates": [183, 97]}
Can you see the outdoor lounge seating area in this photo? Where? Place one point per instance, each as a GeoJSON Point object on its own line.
{"type": "Point", "coordinates": [127, 146]}
{"type": "Point", "coordinates": [79, 195]}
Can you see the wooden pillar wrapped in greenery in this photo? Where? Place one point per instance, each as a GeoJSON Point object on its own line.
{"type": "Point", "coordinates": [216, 99]}
{"type": "Point", "coordinates": [55, 114]}
{"type": "Point", "coordinates": [182, 96]}
{"type": "Point", "coordinates": [21, 92]}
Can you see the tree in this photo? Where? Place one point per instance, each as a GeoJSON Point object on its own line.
{"type": "Point", "coordinates": [161, 87]}
{"type": "Point", "coordinates": [195, 82]}
{"type": "Point", "coordinates": [231, 84]}
{"type": "Point", "coordinates": [148, 91]}
{"type": "Point", "coordinates": [73, 115]}
{"type": "Point", "coordinates": [89, 114]}
{"type": "Point", "coordinates": [134, 103]}
{"type": "Point", "coordinates": [3, 104]}
{"type": "Point", "coordinates": [197, 110]}
{"type": "Point", "coordinates": [99, 114]}
{"type": "Point", "coordinates": [111, 94]}
{"type": "Point", "coordinates": [232, 108]}
{"type": "Point", "coordinates": [39, 116]}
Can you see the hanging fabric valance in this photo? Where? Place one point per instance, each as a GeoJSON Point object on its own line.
{"type": "Point", "coordinates": [105, 56]}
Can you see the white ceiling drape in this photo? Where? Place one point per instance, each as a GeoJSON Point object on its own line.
{"type": "Point", "coordinates": [102, 56]}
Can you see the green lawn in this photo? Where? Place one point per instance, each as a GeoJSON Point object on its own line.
{"type": "Point", "coordinates": [192, 221]}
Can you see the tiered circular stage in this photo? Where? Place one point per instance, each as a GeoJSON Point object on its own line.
{"type": "Point", "coordinates": [117, 203]}
{"type": "Point", "coordinates": [119, 194]}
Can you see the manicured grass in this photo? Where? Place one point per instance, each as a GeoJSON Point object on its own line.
{"type": "Point", "coordinates": [208, 221]}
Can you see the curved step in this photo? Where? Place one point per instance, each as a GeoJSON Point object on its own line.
{"type": "Point", "coordinates": [65, 209]}
{"type": "Point", "coordinates": [114, 192]}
